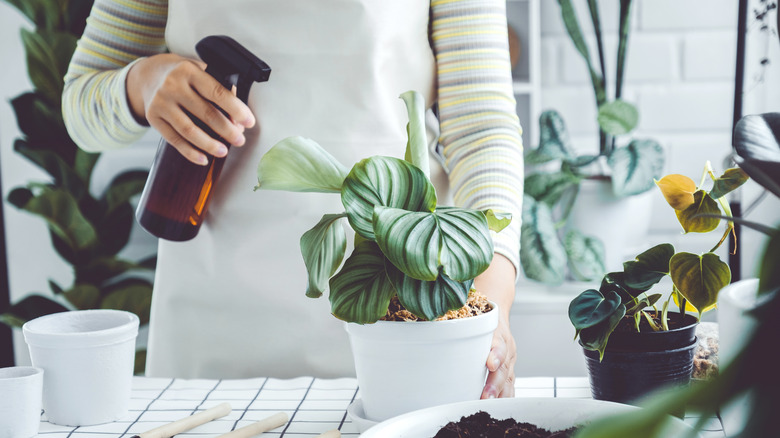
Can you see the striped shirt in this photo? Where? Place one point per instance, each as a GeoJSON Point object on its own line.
{"type": "Point", "coordinates": [480, 134]}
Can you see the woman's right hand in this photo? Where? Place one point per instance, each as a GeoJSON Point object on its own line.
{"type": "Point", "coordinates": [161, 87]}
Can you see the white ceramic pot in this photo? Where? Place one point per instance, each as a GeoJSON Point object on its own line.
{"type": "Point", "coordinates": [735, 327]}
{"type": "Point", "coordinates": [404, 366]}
{"type": "Point", "coordinates": [622, 224]}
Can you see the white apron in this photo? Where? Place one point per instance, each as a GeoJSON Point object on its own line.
{"type": "Point", "coordinates": [231, 303]}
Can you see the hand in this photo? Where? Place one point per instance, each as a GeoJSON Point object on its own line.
{"type": "Point", "coordinates": [501, 363]}
{"type": "Point", "coordinates": [161, 87]}
{"type": "Point", "coordinates": [498, 284]}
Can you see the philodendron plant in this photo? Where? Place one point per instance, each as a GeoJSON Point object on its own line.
{"type": "Point", "coordinates": [696, 278]}
{"type": "Point", "coordinates": [405, 245]}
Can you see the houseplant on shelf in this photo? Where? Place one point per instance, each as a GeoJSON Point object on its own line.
{"type": "Point", "coordinates": [87, 231]}
{"type": "Point", "coordinates": [633, 347]}
{"type": "Point", "coordinates": [407, 251]}
{"type": "Point", "coordinates": [562, 201]}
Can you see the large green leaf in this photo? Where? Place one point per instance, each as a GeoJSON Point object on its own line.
{"type": "Point", "coordinates": [569, 15]}
{"type": "Point", "coordinates": [591, 307]}
{"type": "Point", "coordinates": [48, 55]}
{"type": "Point", "coordinates": [41, 120]}
{"type": "Point", "coordinates": [60, 211]}
{"type": "Point", "coordinates": [618, 117]}
{"type": "Point", "coordinates": [323, 248]}
{"type": "Point", "coordinates": [361, 291]}
{"type": "Point", "coordinates": [616, 282]}
{"type": "Point", "coordinates": [84, 163]}
{"type": "Point", "coordinates": [83, 296]}
{"type": "Point", "coordinates": [114, 229]}
{"type": "Point", "coordinates": [386, 182]}
{"type": "Point", "coordinates": [122, 188]}
{"type": "Point", "coordinates": [698, 217]}
{"type": "Point", "coordinates": [595, 338]}
{"type": "Point", "coordinates": [649, 267]}
{"type": "Point", "coordinates": [549, 187]}
{"type": "Point", "coordinates": [457, 240]}
{"type": "Point", "coordinates": [428, 299]}
{"type": "Point", "coordinates": [102, 269]}
{"type": "Point", "coordinates": [728, 182]}
{"type": "Point", "coordinates": [585, 254]}
{"type": "Point", "coordinates": [769, 275]}
{"type": "Point", "coordinates": [299, 164]}
{"type": "Point", "coordinates": [541, 253]}
{"type": "Point", "coordinates": [554, 143]}
{"type": "Point", "coordinates": [635, 166]}
{"type": "Point", "coordinates": [43, 13]}
{"type": "Point", "coordinates": [48, 160]}
{"type": "Point", "coordinates": [757, 144]}
{"type": "Point", "coordinates": [133, 295]}
{"type": "Point", "coordinates": [417, 144]}
{"type": "Point", "coordinates": [699, 278]}
{"type": "Point", "coordinates": [30, 307]}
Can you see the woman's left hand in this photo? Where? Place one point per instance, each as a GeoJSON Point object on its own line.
{"type": "Point", "coordinates": [501, 363]}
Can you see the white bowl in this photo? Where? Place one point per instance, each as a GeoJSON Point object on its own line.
{"type": "Point", "coordinates": [550, 413]}
{"type": "Point", "coordinates": [358, 416]}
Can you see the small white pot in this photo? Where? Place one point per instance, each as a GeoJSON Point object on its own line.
{"type": "Point", "coordinates": [622, 224]}
{"type": "Point", "coordinates": [405, 366]}
{"type": "Point", "coordinates": [735, 327]}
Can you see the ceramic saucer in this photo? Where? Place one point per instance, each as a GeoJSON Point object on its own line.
{"type": "Point", "coordinates": [358, 416]}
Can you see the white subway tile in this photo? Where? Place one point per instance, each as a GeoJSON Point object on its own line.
{"type": "Point", "coordinates": [686, 107]}
{"type": "Point", "coordinates": [709, 55]}
{"type": "Point", "coordinates": [687, 14]}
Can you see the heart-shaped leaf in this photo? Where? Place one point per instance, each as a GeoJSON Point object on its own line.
{"type": "Point", "coordinates": [728, 182]}
{"type": "Point", "coordinates": [29, 308]}
{"type": "Point", "coordinates": [417, 143]}
{"type": "Point", "coordinates": [615, 282]}
{"type": "Point", "coordinates": [554, 142]}
{"type": "Point", "coordinates": [300, 164]}
{"type": "Point", "coordinates": [497, 221]}
{"type": "Point", "coordinates": [541, 253]}
{"type": "Point", "coordinates": [549, 187]}
{"type": "Point", "coordinates": [456, 240]}
{"type": "Point", "coordinates": [699, 278]}
{"type": "Point", "coordinates": [595, 338]}
{"type": "Point", "coordinates": [757, 144]}
{"type": "Point", "coordinates": [618, 117]}
{"type": "Point", "coordinates": [649, 267]}
{"type": "Point", "coordinates": [361, 291]}
{"type": "Point", "coordinates": [323, 248]}
{"type": "Point", "coordinates": [678, 190]}
{"type": "Point", "coordinates": [586, 255]}
{"type": "Point", "coordinates": [591, 307]}
{"type": "Point", "coordinates": [635, 166]}
{"type": "Point", "coordinates": [386, 182]}
{"type": "Point", "coordinates": [698, 217]}
{"type": "Point", "coordinates": [428, 299]}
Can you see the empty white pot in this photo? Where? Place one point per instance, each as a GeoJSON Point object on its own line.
{"type": "Point", "coordinates": [405, 366]}
{"type": "Point", "coordinates": [20, 401]}
{"type": "Point", "coordinates": [88, 358]}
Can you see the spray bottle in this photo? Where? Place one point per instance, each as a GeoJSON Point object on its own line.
{"type": "Point", "coordinates": [177, 193]}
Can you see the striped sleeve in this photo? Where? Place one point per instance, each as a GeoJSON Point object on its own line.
{"type": "Point", "coordinates": [480, 131]}
{"type": "Point", "coordinates": [94, 102]}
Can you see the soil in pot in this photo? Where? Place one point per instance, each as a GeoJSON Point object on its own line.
{"type": "Point", "coordinates": [476, 304]}
{"type": "Point", "coordinates": [482, 425]}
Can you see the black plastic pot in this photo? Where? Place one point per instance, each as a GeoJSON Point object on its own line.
{"type": "Point", "coordinates": [636, 363]}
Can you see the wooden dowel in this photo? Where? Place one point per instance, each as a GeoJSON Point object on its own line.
{"type": "Point", "coordinates": [261, 426]}
{"type": "Point", "coordinates": [187, 423]}
{"type": "Point", "coordinates": [335, 433]}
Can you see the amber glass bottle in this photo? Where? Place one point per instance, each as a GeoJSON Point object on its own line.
{"type": "Point", "coordinates": [177, 193]}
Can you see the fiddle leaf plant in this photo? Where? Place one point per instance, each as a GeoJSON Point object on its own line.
{"type": "Point", "coordinates": [405, 245]}
{"type": "Point", "coordinates": [624, 298]}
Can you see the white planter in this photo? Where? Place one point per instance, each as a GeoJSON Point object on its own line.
{"type": "Point", "coordinates": [622, 224]}
{"type": "Point", "coordinates": [735, 327]}
{"type": "Point", "coordinates": [404, 366]}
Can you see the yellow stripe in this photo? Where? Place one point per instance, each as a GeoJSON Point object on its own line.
{"type": "Point", "coordinates": [437, 37]}
{"type": "Point", "coordinates": [473, 99]}
{"type": "Point", "coordinates": [461, 18]}
{"type": "Point", "coordinates": [161, 11]}
{"type": "Point", "coordinates": [121, 22]}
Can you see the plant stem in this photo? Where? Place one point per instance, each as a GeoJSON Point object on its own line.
{"type": "Point", "coordinates": [664, 313]}
{"type": "Point", "coordinates": [650, 321]}
{"type": "Point", "coordinates": [623, 31]}
{"type": "Point", "coordinates": [593, 7]}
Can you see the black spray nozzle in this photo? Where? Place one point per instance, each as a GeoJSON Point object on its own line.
{"type": "Point", "coordinates": [232, 64]}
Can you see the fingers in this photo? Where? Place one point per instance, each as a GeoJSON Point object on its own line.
{"type": "Point", "coordinates": [501, 365]}
{"type": "Point", "coordinates": [183, 87]}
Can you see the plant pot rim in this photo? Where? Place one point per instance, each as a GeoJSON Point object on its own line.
{"type": "Point", "coordinates": [620, 351]}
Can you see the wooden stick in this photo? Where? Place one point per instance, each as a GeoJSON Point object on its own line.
{"type": "Point", "coordinates": [187, 423]}
{"type": "Point", "coordinates": [261, 426]}
{"type": "Point", "coordinates": [335, 433]}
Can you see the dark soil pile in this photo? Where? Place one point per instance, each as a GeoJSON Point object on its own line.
{"type": "Point", "coordinates": [482, 425]}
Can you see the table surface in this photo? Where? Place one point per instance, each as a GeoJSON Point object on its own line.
{"type": "Point", "coordinates": [313, 405]}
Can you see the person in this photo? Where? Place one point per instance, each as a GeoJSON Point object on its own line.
{"type": "Point", "coordinates": [230, 303]}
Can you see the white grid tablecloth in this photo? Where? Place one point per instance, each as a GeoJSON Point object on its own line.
{"type": "Point", "coordinates": [313, 405]}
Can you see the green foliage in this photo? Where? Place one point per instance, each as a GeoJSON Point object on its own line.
{"type": "Point", "coordinates": [87, 231]}
{"type": "Point", "coordinates": [696, 278]}
{"type": "Point", "coordinates": [405, 245]}
{"type": "Point", "coordinates": [630, 168]}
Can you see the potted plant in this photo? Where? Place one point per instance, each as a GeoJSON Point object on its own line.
{"type": "Point", "coordinates": [631, 345]}
{"type": "Point", "coordinates": [88, 231]}
{"type": "Point", "coordinates": [408, 251]}
{"type": "Point", "coordinates": [563, 187]}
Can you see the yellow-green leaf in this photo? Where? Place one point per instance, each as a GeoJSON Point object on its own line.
{"type": "Point", "coordinates": [677, 190]}
{"type": "Point", "coordinates": [693, 219]}
{"type": "Point", "coordinates": [729, 181]}
{"type": "Point", "coordinates": [699, 278]}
